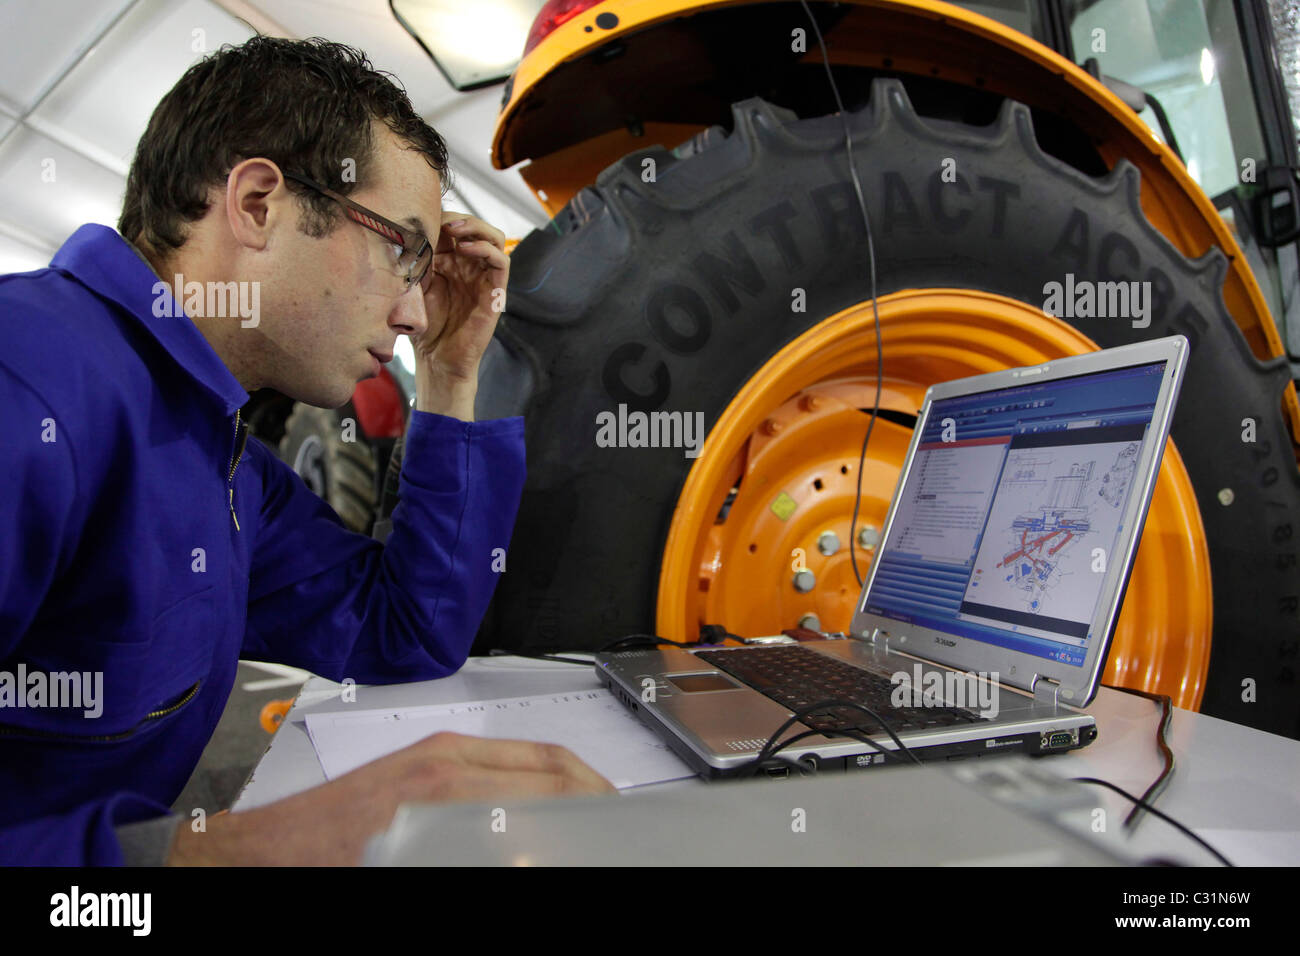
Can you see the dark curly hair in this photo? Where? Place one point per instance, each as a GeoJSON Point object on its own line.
{"type": "Point", "coordinates": [306, 105]}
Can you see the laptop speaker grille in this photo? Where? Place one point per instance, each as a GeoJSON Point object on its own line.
{"type": "Point", "coordinates": [749, 743]}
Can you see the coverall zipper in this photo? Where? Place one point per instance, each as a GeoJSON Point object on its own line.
{"type": "Point", "coordinates": [241, 439]}
{"type": "Point", "coordinates": [185, 698]}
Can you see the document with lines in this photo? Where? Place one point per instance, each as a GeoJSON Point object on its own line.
{"type": "Point", "coordinates": [590, 723]}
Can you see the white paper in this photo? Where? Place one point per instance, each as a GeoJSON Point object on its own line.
{"type": "Point", "coordinates": [591, 723]}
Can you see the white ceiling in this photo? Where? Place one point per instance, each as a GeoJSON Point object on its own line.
{"type": "Point", "coordinates": [79, 79]}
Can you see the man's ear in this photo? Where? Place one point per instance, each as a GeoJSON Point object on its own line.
{"type": "Point", "coordinates": [256, 195]}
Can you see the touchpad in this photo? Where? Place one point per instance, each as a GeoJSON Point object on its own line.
{"type": "Point", "coordinates": [696, 683]}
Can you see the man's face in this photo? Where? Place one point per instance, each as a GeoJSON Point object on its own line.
{"type": "Point", "coordinates": [338, 303]}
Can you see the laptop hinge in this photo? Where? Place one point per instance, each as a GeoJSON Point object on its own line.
{"type": "Point", "coordinates": [879, 638]}
{"type": "Point", "coordinates": [1046, 690]}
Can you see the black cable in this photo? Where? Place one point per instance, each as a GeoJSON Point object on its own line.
{"type": "Point", "coordinates": [851, 732]}
{"type": "Point", "coordinates": [1150, 809]}
{"type": "Point", "coordinates": [875, 312]}
{"type": "Point", "coordinates": [1165, 128]}
{"type": "Point", "coordinates": [499, 652]}
{"type": "Point", "coordinates": [1154, 791]}
{"type": "Point", "coordinates": [646, 640]}
{"type": "Point", "coordinates": [770, 748]}
{"type": "Point", "coordinates": [757, 766]}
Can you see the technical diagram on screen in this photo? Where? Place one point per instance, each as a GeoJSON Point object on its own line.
{"type": "Point", "coordinates": [1012, 508]}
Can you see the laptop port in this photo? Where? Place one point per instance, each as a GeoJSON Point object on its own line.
{"type": "Point", "coordinates": [1054, 739]}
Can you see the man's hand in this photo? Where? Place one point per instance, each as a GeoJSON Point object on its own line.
{"type": "Point", "coordinates": [464, 295]}
{"type": "Point", "coordinates": [330, 825]}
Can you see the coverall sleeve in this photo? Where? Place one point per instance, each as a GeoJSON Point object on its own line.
{"type": "Point", "coordinates": [343, 605]}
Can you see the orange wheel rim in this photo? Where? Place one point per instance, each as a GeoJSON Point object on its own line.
{"type": "Point", "coordinates": [788, 444]}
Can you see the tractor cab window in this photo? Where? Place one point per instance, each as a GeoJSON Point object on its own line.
{"type": "Point", "coordinates": [1199, 73]}
{"type": "Point", "coordinates": [1186, 56]}
{"type": "Point", "coordinates": [1023, 15]}
{"type": "Point", "coordinates": [1189, 60]}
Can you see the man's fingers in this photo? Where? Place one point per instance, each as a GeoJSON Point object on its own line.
{"type": "Point", "coordinates": [481, 783]}
{"type": "Point", "coordinates": [514, 755]}
{"type": "Point", "coordinates": [493, 258]}
{"type": "Point", "coordinates": [464, 227]}
{"type": "Point", "coordinates": [482, 249]}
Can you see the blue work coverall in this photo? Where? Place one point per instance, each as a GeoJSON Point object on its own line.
{"type": "Point", "coordinates": [140, 544]}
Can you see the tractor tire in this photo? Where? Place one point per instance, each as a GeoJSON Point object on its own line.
{"type": "Point", "coordinates": [669, 294]}
{"type": "Point", "coordinates": [341, 472]}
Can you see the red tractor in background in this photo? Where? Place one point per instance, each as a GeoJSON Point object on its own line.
{"type": "Point", "coordinates": [340, 453]}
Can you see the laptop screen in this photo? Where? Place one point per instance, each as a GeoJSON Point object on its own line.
{"type": "Point", "coordinates": [1012, 508]}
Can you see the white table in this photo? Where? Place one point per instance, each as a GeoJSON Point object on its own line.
{"type": "Point", "coordinates": [1236, 787]}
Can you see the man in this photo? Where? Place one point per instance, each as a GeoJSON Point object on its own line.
{"type": "Point", "coordinates": [147, 545]}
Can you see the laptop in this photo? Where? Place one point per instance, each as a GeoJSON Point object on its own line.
{"type": "Point", "coordinates": [989, 606]}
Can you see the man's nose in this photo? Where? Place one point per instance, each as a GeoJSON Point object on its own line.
{"type": "Point", "coordinates": [408, 317]}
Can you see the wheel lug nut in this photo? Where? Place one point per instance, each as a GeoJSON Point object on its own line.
{"type": "Point", "coordinates": [804, 581]}
{"type": "Point", "coordinates": [828, 542]}
{"type": "Point", "coordinates": [869, 536]}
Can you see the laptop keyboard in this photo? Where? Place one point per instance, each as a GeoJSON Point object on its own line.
{"type": "Point", "coordinates": [796, 677]}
